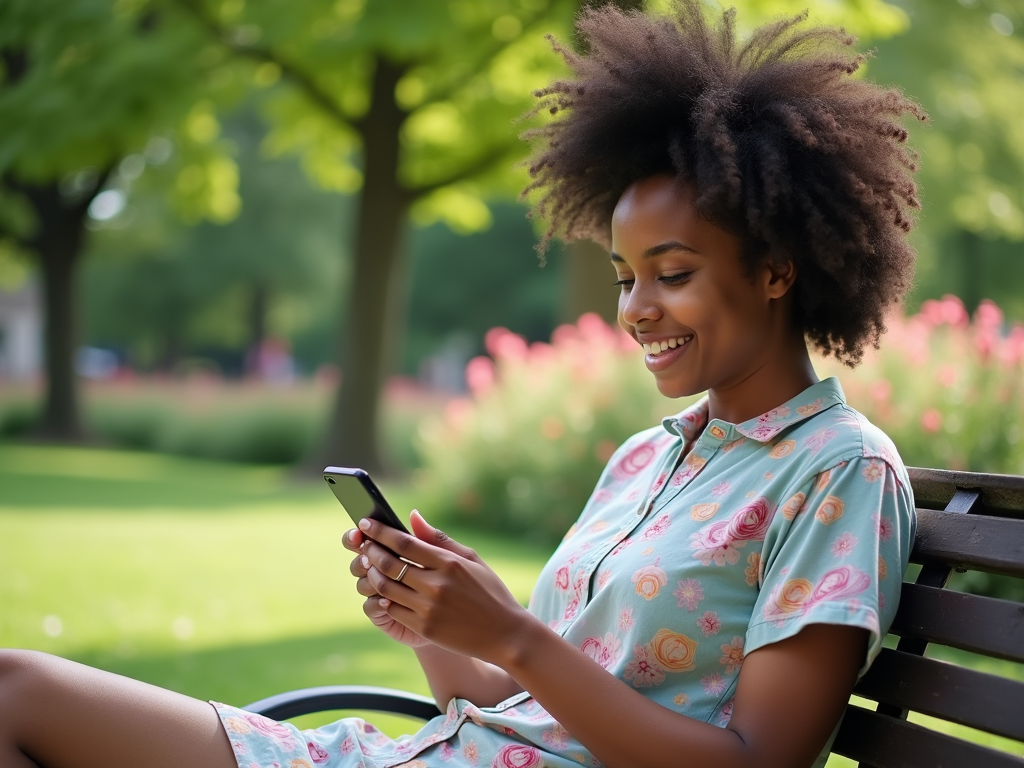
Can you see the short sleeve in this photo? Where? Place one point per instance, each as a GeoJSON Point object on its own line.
{"type": "Point", "coordinates": [835, 554]}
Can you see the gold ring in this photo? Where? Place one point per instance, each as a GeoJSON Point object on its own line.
{"type": "Point", "coordinates": [401, 573]}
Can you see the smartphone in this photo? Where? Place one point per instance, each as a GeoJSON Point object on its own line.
{"type": "Point", "coordinates": [361, 497]}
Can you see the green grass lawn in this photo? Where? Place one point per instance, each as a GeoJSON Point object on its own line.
{"type": "Point", "coordinates": [219, 581]}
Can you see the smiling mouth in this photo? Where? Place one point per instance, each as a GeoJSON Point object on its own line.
{"type": "Point", "coordinates": [656, 348]}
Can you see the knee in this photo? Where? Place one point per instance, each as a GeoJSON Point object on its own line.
{"type": "Point", "coordinates": [20, 673]}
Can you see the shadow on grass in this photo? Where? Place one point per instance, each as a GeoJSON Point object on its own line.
{"type": "Point", "coordinates": [38, 477]}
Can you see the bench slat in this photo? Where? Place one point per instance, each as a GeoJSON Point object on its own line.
{"type": "Point", "coordinates": [983, 625]}
{"type": "Point", "coordinates": [976, 699]}
{"type": "Point", "coordinates": [999, 493]}
{"type": "Point", "coordinates": [973, 542]}
{"type": "Point", "coordinates": [887, 742]}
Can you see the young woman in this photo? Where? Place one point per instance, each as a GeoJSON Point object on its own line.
{"type": "Point", "coordinates": [737, 566]}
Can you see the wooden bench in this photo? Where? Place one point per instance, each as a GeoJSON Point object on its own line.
{"type": "Point", "coordinates": [966, 521]}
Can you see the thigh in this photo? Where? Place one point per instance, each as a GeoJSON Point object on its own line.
{"type": "Point", "coordinates": [63, 715]}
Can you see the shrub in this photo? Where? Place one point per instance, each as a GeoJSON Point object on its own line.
{"type": "Point", "coordinates": [523, 451]}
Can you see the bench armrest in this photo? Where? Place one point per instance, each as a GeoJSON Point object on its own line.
{"type": "Point", "coordinates": [328, 697]}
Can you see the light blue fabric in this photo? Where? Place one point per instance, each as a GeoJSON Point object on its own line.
{"type": "Point", "coordinates": [676, 570]}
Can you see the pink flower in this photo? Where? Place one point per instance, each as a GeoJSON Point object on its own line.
{"type": "Point", "coordinates": [714, 684]}
{"type": "Point", "coordinates": [750, 523]}
{"type": "Point", "coordinates": [605, 651]}
{"type": "Point", "coordinates": [688, 594]}
{"type": "Point", "coordinates": [317, 753]}
{"type": "Point", "coordinates": [480, 375]}
{"type": "Point", "coordinates": [348, 746]}
{"type": "Point", "coordinates": [656, 529]}
{"type": "Point", "coordinates": [517, 756]}
{"type": "Point", "coordinates": [604, 495]}
{"type": "Point", "coordinates": [844, 545]}
{"type": "Point", "coordinates": [874, 471]}
{"type": "Point", "coordinates": [626, 619]}
{"type": "Point", "coordinates": [709, 623]}
{"type": "Point", "coordinates": [634, 461]}
{"type": "Point", "coordinates": [447, 753]}
{"type": "Point", "coordinates": [557, 737]}
{"type": "Point", "coordinates": [713, 543]}
{"type": "Point", "coordinates": [721, 489]}
{"type": "Point", "coordinates": [818, 440]}
{"type": "Point", "coordinates": [931, 420]}
{"type": "Point", "coordinates": [268, 727]}
{"type": "Point", "coordinates": [643, 671]}
{"type": "Point", "coordinates": [885, 528]}
{"type": "Point", "coordinates": [845, 581]}
{"type": "Point", "coordinates": [726, 714]}
{"type": "Point", "coordinates": [562, 578]}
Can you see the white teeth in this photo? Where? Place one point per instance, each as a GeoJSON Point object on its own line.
{"type": "Point", "coordinates": [657, 347]}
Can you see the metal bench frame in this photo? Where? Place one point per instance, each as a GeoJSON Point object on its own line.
{"type": "Point", "coordinates": [966, 521]}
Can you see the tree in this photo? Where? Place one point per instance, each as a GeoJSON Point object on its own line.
{"type": "Point", "coordinates": [965, 63]}
{"type": "Point", "coordinates": [85, 84]}
{"type": "Point", "coordinates": [411, 103]}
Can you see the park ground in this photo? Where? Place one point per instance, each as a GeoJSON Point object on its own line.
{"type": "Point", "coordinates": [221, 581]}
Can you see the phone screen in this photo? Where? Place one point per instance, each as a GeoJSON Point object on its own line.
{"type": "Point", "coordinates": [360, 496]}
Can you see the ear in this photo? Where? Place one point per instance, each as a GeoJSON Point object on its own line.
{"type": "Point", "coordinates": [778, 277]}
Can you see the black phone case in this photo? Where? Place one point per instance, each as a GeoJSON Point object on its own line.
{"type": "Point", "coordinates": [381, 511]}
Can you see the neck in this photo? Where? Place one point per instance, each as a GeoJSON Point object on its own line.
{"type": "Point", "coordinates": [782, 375]}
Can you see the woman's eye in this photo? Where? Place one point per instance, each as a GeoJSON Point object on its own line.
{"type": "Point", "coordinates": [625, 282]}
{"type": "Point", "coordinates": [673, 279]}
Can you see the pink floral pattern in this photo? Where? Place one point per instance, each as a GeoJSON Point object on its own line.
{"type": "Point", "coordinates": [803, 515]}
{"type": "Point", "coordinates": [688, 594]}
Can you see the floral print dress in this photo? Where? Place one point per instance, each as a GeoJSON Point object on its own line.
{"type": "Point", "coordinates": [702, 542]}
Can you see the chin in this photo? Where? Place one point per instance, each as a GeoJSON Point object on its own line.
{"type": "Point", "coordinates": [675, 389]}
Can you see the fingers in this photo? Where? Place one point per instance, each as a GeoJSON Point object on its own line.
{"type": "Point", "coordinates": [430, 553]}
{"type": "Point", "coordinates": [386, 574]}
{"type": "Point", "coordinates": [352, 539]}
{"type": "Point", "coordinates": [426, 532]}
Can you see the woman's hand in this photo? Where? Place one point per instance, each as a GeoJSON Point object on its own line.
{"type": "Point", "coordinates": [354, 541]}
{"type": "Point", "coordinates": [454, 600]}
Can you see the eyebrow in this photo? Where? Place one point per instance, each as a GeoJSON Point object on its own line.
{"type": "Point", "coordinates": [660, 248]}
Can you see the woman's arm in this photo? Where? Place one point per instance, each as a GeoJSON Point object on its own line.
{"type": "Point", "coordinates": [453, 675]}
{"type": "Point", "coordinates": [448, 674]}
{"type": "Point", "coordinates": [789, 697]}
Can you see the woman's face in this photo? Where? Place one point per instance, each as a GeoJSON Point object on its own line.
{"type": "Point", "coordinates": [705, 324]}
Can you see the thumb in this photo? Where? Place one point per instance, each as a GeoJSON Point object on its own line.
{"type": "Point", "coordinates": [424, 531]}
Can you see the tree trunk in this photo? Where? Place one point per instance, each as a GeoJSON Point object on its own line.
{"type": "Point", "coordinates": [369, 336]}
{"type": "Point", "coordinates": [57, 244]}
{"type": "Point", "coordinates": [257, 327]}
{"type": "Point", "coordinates": [589, 282]}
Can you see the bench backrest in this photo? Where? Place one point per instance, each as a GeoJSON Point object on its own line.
{"type": "Point", "coordinates": [966, 521]}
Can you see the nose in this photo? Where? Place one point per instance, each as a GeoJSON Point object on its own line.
{"type": "Point", "coordinates": [637, 305]}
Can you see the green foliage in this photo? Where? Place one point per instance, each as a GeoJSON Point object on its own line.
{"type": "Point", "coordinates": [523, 451]}
{"type": "Point", "coordinates": [159, 291]}
{"type": "Point", "coordinates": [92, 82]}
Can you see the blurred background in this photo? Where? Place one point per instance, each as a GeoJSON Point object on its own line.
{"type": "Point", "coordinates": [242, 239]}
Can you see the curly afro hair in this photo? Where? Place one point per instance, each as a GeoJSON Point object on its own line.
{"type": "Point", "coordinates": [785, 150]}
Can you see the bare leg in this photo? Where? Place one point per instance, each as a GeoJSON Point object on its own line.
{"type": "Point", "coordinates": [59, 714]}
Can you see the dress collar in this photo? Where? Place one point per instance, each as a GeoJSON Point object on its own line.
{"type": "Point", "coordinates": [816, 398]}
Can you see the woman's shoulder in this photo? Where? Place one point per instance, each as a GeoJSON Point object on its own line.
{"type": "Point", "coordinates": [841, 434]}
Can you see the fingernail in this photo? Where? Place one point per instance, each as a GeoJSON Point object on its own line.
{"type": "Point", "coordinates": [365, 561]}
{"type": "Point", "coordinates": [384, 602]}
{"type": "Point", "coordinates": [364, 524]}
